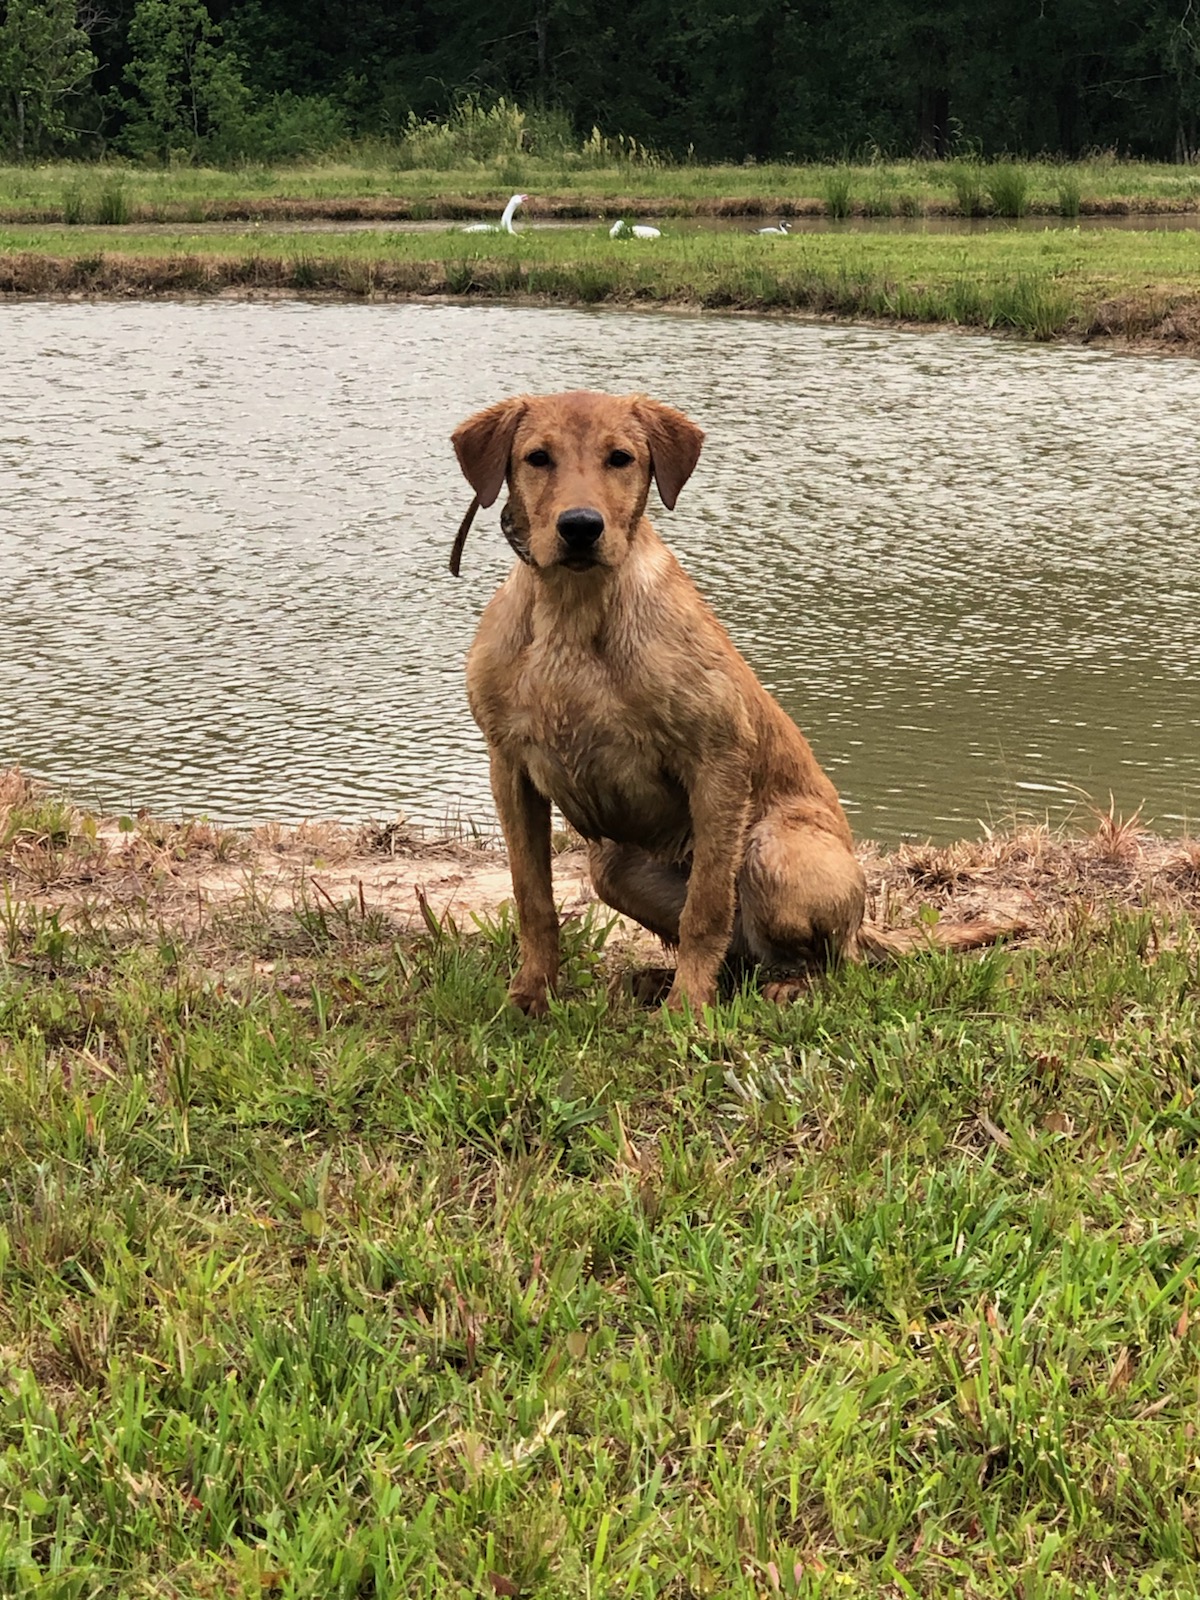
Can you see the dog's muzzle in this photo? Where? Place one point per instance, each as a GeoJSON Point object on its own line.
{"type": "Point", "coordinates": [580, 530]}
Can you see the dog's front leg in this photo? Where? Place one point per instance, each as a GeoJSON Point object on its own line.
{"type": "Point", "coordinates": [720, 803]}
{"type": "Point", "coordinates": [525, 819]}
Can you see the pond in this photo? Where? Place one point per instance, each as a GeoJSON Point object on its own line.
{"type": "Point", "coordinates": [969, 568]}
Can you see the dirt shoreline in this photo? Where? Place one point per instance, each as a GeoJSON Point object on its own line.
{"type": "Point", "coordinates": [1160, 321]}
{"type": "Point", "coordinates": [145, 872]}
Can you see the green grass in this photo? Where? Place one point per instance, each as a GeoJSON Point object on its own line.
{"type": "Point", "coordinates": [1040, 284]}
{"type": "Point", "coordinates": [578, 186]}
{"type": "Point", "coordinates": [1009, 184]}
{"type": "Point", "coordinates": [324, 1274]}
{"type": "Point", "coordinates": [837, 190]}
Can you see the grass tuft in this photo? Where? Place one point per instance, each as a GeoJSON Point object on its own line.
{"type": "Point", "coordinates": [112, 207]}
{"type": "Point", "coordinates": [966, 179]}
{"type": "Point", "coordinates": [1069, 196]}
{"type": "Point", "coordinates": [1008, 184]}
{"type": "Point", "coordinates": [73, 205]}
{"type": "Point", "coordinates": [836, 190]}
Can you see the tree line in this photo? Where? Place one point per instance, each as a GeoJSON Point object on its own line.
{"type": "Point", "coordinates": [232, 80]}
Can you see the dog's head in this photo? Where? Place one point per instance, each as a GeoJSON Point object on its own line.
{"type": "Point", "coordinates": [578, 468]}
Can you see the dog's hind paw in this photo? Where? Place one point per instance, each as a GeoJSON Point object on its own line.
{"type": "Point", "coordinates": [648, 986]}
{"type": "Point", "coordinates": [785, 991]}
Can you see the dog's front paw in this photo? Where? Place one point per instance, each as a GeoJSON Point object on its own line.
{"type": "Point", "coordinates": [529, 995]}
{"type": "Point", "coordinates": [694, 996]}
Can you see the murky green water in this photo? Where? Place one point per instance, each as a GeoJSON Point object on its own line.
{"type": "Point", "coordinates": [970, 569]}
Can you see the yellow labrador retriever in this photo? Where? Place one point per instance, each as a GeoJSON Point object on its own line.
{"type": "Point", "coordinates": [605, 685]}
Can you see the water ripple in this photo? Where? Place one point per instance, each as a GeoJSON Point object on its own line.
{"type": "Point", "coordinates": [968, 568]}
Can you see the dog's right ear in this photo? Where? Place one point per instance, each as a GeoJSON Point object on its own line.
{"type": "Point", "coordinates": [483, 444]}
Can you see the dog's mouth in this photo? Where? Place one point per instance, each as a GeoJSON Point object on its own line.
{"type": "Point", "coordinates": [579, 561]}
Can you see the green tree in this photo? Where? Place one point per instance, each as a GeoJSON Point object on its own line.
{"type": "Point", "coordinates": [187, 81]}
{"type": "Point", "coordinates": [45, 60]}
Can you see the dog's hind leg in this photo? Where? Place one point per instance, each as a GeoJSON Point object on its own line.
{"type": "Point", "coordinates": [639, 885]}
{"type": "Point", "coordinates": [801, 896]}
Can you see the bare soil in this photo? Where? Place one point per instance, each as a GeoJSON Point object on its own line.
{"type": "Point", "coordinates": [188, 875]}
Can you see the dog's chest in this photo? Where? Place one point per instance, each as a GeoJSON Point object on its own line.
{"type": "Point", "coordinates": [601, 760]}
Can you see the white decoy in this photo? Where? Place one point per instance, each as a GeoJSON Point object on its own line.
{"type": "Point", "coordinates": [784, 227]}
{"type": "Point", "coordinates": [504, 225]}
{"type": "Point", "coordinates": [639, 230]}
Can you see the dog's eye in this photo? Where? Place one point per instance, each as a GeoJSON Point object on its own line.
{"type": "Point", "coordinates": [620, 458]}
{"type": "Point", "coordinates": [538, 458]}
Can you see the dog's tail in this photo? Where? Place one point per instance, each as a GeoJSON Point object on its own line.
{"type": "Point", "coordinates": [888, 944]}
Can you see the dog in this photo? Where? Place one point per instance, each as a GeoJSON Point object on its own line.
{"type": "Point", "coordinates": [605, 685]}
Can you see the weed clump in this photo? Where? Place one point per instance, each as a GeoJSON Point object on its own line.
{"type": "Point", "coordinates": [836, 188]}
{"type": "Point", "coordinates": [966, 179]}
{"type": "Point", "coordinates": [112, 208]}
{"type": "Point", "coordinates": [1008, 185]}
{"type": "Point", "coordinates": [1069, 196]}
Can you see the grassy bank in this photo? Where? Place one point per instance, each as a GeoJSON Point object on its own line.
{"type": "Point", "coordinates": [324, 1274]}
{"type": "Point", "coordinates": [579, 187]}
{"type": "Point", "coordinates": [1043, 285]}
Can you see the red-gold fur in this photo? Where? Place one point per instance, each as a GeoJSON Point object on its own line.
{"type": "Point", "coordinates": [611, 690]}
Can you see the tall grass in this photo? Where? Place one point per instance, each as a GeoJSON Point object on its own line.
{"type": "Point", "coordinates": [1069, 195]}
{"type": "Point", "coordinates": [506, 136]}
{"type": "Point", "coordinates": [471, 162]}
{"type": "Point", "coordinates": [1008, 185]}
{"type": "Point", "coordinates": [837, 192]}
{"type": "Point", "coordinates": [966, 180]}
{"type": "Point", "coordinates": [73, 204]}
{"type": "Point", "coordinates": [112, 203]}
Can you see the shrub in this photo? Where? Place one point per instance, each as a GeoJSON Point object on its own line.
{"type": "Point", "coordinates": [286, 127]}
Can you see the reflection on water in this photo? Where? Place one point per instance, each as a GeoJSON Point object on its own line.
{"type": "Point", "coordinates": [970, 569]}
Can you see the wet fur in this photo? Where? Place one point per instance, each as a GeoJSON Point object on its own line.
{"type": "Point", "coordinates": [615, 693]}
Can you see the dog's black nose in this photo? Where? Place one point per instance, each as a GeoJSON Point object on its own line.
{"type": "Point", "coordinates": [579, 528]}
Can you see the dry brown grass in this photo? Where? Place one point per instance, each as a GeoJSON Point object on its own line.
{"type": "Point", "coordinates": [53, 854]}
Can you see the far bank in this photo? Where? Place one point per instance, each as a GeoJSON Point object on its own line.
{"type": "Point", "coordinates": [1129, 287]}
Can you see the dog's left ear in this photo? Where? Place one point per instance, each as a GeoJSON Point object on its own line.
{"type": "Point", "coordinates": [483, 444]}
{"type": "Point", "coordinates": [674, 441]}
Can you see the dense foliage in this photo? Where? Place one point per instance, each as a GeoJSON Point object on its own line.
{"type": "Point", "coordinates": [266, 79]}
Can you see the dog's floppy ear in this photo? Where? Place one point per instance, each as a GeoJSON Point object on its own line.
{"type": "Point", "coordinates": [674, 441]}
{"type": "Point", "coordinates": [483, 444]}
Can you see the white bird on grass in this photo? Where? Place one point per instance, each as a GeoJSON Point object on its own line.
{"type": "Point", "coordinates": [504, 225]}
{"type": "Point", "coordinates": [639, 230]}
{"type": "Point", "coordinates": [784, 227]}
